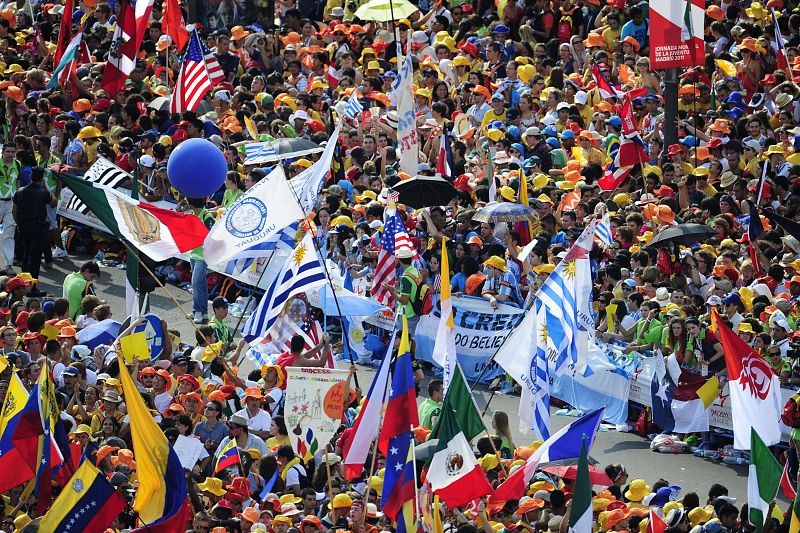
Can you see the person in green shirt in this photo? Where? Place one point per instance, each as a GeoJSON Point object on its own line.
{"type": "Point", "coordinates": [79, 284]}
{"type": "Point", "coordinates": [648, 329]}
{"type": "Point", "coordinates": [221, 330]}
{"type": "Point", "coordinates": [406, 296]}
{"type": "Point", "coordinates": [430, 408]}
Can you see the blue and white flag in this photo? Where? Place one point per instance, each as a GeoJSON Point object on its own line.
{"type": "Point", "coordinates": [283, 244]}
{"type": "Point", "coordinates": [602, 231]}
{"type": "Point", "coordinates": [255, 222]}
{"type": "Point", "coordinates": [605, 384]}
{"type": "Point", "coordinates": [524, 357]}
{"type": "Point", "coordinates": [353, 106]}
{"type": "Point", "coordinates": [309, 182]}
{"type": "Point", "coordinates": [301, 272]}
{"type": "Point", "coordinates": [353, 327]}
{"type": "Point", "coordinates": [259, 153]}
{"type": "Point", "coordinates": [61, 72]}
{"type": "Point", "coordinates": [567, 299]}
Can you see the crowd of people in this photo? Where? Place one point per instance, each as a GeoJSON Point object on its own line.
{"type": "Point", "coordinates": [512, 86]}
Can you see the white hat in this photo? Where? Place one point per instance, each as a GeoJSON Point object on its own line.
{"type": "Point", "coordinates": [147, 161]}
{"type": "Point", "coordinates": [404, 253]}
{"type": "Point", "coordinates": [581, 97]}
{"type": "Point", "coordinates": [501, 157]}
{"type": "Point", "coordinates": [223, 96]}
{"type": "Point", "coordinates": [714, 300]}
{"type": "Point", "coordinates": [337, 12]}
{"type": "Point", "coordinates": [299, 114]}
{"type": "Point", "coordinates": [791, 242]}
{"type": "Point", "coordinates": [420, 37]}
{"type": "Point", "coordinates": [562, 105]}
{"type": "Point", "coordinates": [662, 296]}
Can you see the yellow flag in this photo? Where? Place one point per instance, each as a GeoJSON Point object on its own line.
{"type": "Point", "coordinates": [251, 128]}
{"type": "Point", "coordinates": [611, 310]}
{"type": "Point", "coordinates": [445, 290]}
{"type": "Point", "coordinates": [726, 66]}
{"type": "Point", "coordinates": [51, 332]}
{"type": "Point", "coordinates": [405, 346]}
{"type": "Point", "coordinates": [151, 450]}
{"type": "Point", "coordinates": [15, 400]}
{"type": "Point", "coordinates": [437, 516]}
{"type": "Point", "coordinates": [709, 392]}
{"type": "Point", "coordinates": [523, 197]}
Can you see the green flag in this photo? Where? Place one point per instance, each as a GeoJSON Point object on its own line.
{"type": "Point", "coordinates": [580, 516]}
{"type": "Point", "coordinates": [460, 400]}
{"type": "Point", "coordinates": [762, 482]}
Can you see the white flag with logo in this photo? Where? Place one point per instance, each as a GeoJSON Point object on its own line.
{"type": "Point", "coordinates": [253, 223]}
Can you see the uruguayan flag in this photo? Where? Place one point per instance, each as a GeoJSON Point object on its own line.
{"type": "Point", "coordinates": [602, 231]}
{"type": "Point", "coordinates": [259, 153]}
{"type": "Point", "coordinates": [524, 356]}
{"type": "Point", "coordinates": [255, 222]}
{"type": "Point", "coordinates": [301, 272]}
{"type": "Point", "coordinates": [353, 107]}
{"type": "Point", "coordinates": [566, 299]}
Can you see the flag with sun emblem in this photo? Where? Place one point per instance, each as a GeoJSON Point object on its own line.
{"type": "Point", "coordinates": [301, 272]}
{"type": "Point", "coordinates": [566, 299]}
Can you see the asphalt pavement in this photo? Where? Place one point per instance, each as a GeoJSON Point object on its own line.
{"type": "Point", "coordinates": [688, 472]}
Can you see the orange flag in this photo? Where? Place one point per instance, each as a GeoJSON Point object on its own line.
{"type": "Point", "coordinates": [569, 202]}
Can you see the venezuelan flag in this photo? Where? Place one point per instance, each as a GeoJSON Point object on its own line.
{"type": "Point", "coordinates": [15, 468]}
{"type": "Point", "coordinates": [161, 500]}
{"type": "Point", "coordinates": [229, 456]}
{"type": "Point", "coordinates": [87, 503]}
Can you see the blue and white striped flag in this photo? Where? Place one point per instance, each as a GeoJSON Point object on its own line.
{"type": "Point", "coordinates": [353, 107]}
{"type": "Point", "coordinates": [566, 297]}
{"type": "Point", "coordinates": [301, 272]}
{"type": "Point", "coordinates": [602, 231]}
{"type": "Point", "coordinates": [524, 356]}
{"type": "Point", "coordinates": [283, 241]}
{"type": "Point", "coordinates": [259, 153]}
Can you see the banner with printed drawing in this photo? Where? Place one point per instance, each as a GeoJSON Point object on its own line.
{"type": "Point", "coordinates": [314, 407]}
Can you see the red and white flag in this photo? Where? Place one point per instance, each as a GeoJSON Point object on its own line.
{"type": "Point", "coordinates": [195, 78]}
{"type": "Point", "coordinates": [778, 45]}
{"type": "Point", "coordinates": [676, 33]}
{"type": "Point", "coordinates": [132, 22]}
{"type": "Point", "coordinates": [655, 524]}
{"type": "Point", "coordinates": [754, 387]}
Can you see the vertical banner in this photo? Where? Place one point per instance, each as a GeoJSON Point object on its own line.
{"type": "Point", "coordinates": [314, 407]}
{"type": "Point", "coordinates": [676, 33]}
{"type": "Point", "coordinates": [407, 140]}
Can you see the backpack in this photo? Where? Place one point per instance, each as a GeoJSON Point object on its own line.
{"type": "Point", "coordinates": [564, 29]}
{"type": "Point", "coordinates": [422, 303]}
{"type": "Point", "coordinates": [303, 480]}
{"type": "Point", "coordinates": [790, 414]}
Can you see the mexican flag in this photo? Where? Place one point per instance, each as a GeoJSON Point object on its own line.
{"type": "Point", "coordinates": [460, 400]}
{"type": "Point", "coordinates": [580, 516]}
{"type": "Point", "coordinates": [454, 474]}
{"type": "Point", "coordinates": [762, 481]}
{"type": "Point", "coordinates": [158, 233]}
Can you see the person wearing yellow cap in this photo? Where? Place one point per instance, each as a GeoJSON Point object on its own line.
{"type": "Point", "coordinates": [500, 285]}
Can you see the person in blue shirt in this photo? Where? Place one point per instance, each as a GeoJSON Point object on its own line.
{"type": "Point", "coordinates": [466, 267]}
{"type": "Point", "coordinates": [637, 28]}
{"type": "Point", "coordinates": [549, 226]}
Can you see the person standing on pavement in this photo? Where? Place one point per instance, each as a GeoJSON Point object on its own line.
{"type": "Point", "coordinates": [10, 170]}
{"type": "Point", "coordinates": [46, 158]}
{"type": "Point", "coordinates": [199, 268]}
{"type": "Point", "coordinates": [30, 214]}
{"type": "Point", "coordinates": [222, 332]}
{"type": "Point", "coordinates": [79, 284]}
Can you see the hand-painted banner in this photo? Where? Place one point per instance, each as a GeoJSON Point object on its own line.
{"type": "Point", "coordinates": [676, 33]}
{"type": "Point", "coordinates": [480, 331]}
{"type": "Point", "coordinates": [314, 407]}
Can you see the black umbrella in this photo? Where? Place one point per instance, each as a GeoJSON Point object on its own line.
{"type": "Point", "coordinates": [681, 234]}
{"type": "Point", "coordinates": [161, 103]}
{"type": "Point", "coordinates": [425, 191]}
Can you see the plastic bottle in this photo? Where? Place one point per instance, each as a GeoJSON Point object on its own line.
{"type": "Point", "coordinates": [733, 460]}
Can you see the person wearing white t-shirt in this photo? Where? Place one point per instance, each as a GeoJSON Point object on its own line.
{"type": "Point", "coordinates": [258, 419]}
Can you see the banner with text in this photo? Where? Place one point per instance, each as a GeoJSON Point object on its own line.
{"type": "Point", "coordinates": [314, 407]}
{"type": "Point", "coordinates": [676, 33]}
{"type": "Point", "coordinates": [480, 331]}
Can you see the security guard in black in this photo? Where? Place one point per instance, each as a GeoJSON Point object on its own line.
{"type": "Point", "coordinates": [30, 213]}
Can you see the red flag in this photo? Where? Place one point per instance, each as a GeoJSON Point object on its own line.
{"type": "Point", "coordinates": [131, 25]}
{"type": "Point", "coordinates": [613, 177]}
{"type": "Point", "coordinates": [787, 486]}
{"type": "Point", "coordinates": [65, 32]}
{"type": "Point", "coordinates": [628, 120]}
{"type": "Point", "coordinates": [173, 25]}
{"type": "Point", "coordinates": [655, 524]}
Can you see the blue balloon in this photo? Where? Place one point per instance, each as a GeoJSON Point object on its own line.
{"type": "Point", "coordinates": [197, 168]}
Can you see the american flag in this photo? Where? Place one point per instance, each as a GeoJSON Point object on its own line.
{"type": "Point", "coordinates": [394, 238]}
{"type": "Point", "coordinates": [353, 107]}
{"type": "Point", "coordinates": [200, 71]}
{"type": "Point", "coordinates": [392, 197]}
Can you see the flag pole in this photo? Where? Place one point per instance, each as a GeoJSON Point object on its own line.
{"type": "Point", "coordinates": [330, 282]}
{"type": "Point", "coordinates": [414, 468]}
